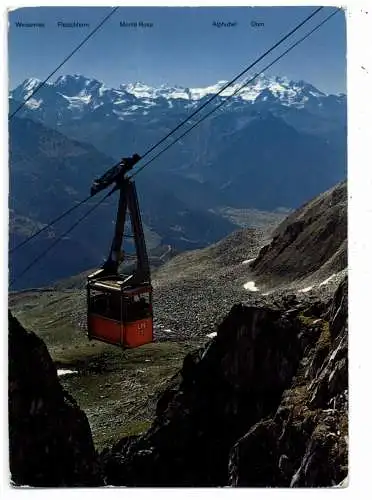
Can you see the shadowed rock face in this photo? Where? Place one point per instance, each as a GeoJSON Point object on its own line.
{"type": "Point", "coordinates": [265, 404]}
{"type": "Point", "coordinates": [50, 442]}
{"type": "Point", "coordinates": [306, 442]}
{"type": "Point", "coordinates": [221, 391]}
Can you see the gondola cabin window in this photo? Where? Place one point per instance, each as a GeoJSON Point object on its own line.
{"type": "Point", "coordinates": [131, 307]}
{"type": "Point", "coordinates": [120, 316]}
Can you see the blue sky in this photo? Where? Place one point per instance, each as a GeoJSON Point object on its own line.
{"type": "Point", "coordinates": [183, 47]}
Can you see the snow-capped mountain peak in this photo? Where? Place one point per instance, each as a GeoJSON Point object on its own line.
{"type": "Point", "coordinates": [73, 85]}
{"type": "Point", "coordinates": [140, 90]}
{"type": "Point", "coordinates": [76, 96]}
{"type": "Point", "coordinates": [281, 87]}
{"type": "Point", "coordinates": [30, 84]}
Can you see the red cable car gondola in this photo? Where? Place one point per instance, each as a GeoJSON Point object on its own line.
{"type": "Point", "coordinates": [120, 305]}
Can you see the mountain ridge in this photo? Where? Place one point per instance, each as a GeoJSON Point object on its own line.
{"type": "Point", "coordinates": [290, 91]}
{"type": "Point", "coordinates": [241, 133]}
{"type": "Point", "coordinates": [76, 97]}
{"type": "Point", "coordinates": [317, 231]}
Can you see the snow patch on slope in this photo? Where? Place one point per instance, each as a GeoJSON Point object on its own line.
{"type": "Point", "coordinates": [63, 372]}
{"type": "Point", "coordinates": [328, 279]}
{"type": "Point", "coordinates": [248, 261]}
{"type": "Point", "coordinates": [250, 286]}
{"type": "Point", "coordinates": [211, 335]}
{"type": "Point", "coordinates": [34, 103]}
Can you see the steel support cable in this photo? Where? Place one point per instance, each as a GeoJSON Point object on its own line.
{"type": "Point", "coordinates": [235, 92]}
{"type": "Point", "coordinates": [232, 81]}
{"type": "Point", "coordinates": [65, 60]}
{"type": "Point", "coordinates": [76, 223]}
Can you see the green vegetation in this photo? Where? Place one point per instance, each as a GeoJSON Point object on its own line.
{"type": "Point", "coordinates": [118, 389]}
{"type": "Point", "coordinates": [323, 345]}
{"type": "Point", "coordinates": [325, 337]}
{"type": "Point", "coordinates": [306, 320]}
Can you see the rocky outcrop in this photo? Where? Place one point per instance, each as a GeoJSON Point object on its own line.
{"type": "Point", "coordinates": [265, 404]}
{"type": "Point", "coordinates": [50, 442]}
{"type": "Point", "coordinates": [305, 443]}
{"type": "Point", "coordinates": [312, 240]}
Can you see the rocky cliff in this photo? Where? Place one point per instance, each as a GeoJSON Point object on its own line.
{"type": "Point", "coordinates": [50, 443]}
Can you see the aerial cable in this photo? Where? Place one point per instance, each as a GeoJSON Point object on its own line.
{"type": "Point", "coordinates": [64, 61]}
{"type": "Point", "coordinates": [235, 92]}
{"type": "Point", "coordinates": [183, 122]}
{"type": "Point", "coordinates": [232, 81]}
{"type": "Point", "coordinates": [55, 242]}
{"type": "Point", "coordinates": [74, 207]}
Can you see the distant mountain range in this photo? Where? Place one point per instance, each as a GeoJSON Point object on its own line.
{"type": "Point", "coordinates": [75, 97]}
{"type": "Point", "coordinates": [276, 144]}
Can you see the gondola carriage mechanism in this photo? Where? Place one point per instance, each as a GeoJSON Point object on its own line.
{"type": "Point", "coordinates": [120, 305]}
